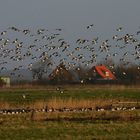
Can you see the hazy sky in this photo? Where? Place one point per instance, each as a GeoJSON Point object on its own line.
{"type": "Point", "coordinates": [72, 15]}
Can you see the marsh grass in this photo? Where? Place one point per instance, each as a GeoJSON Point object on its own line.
{"type": "Point", "coordinates": [71, 125]}
{"type": "Point", "coordinates": [104, 125]}
{"type": "Point", "coordinates": [4, 105]}
{"type": "Point", "coordinates": [14, 95]}
{"type": "Point", "coordinates": [21, 129]}
{"type": "Point", "coordinates": [71, 103]}
{"type": "Point", "coordinates": [59, 103]}
{"type": "Point", "coordinates": [88, 116]}
{"type": "Point", "coordinates": [77, 103]}
{"type": "Point", "coordinates": [71, 116]}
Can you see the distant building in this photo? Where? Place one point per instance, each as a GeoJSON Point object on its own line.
{"type": "Point", "coordinates": [6, 81]}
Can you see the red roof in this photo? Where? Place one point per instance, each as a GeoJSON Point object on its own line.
{"type": "Point", "coordinates": [104, 72]}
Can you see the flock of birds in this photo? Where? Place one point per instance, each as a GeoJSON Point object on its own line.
{"type": "Point", "coordinates": [22, 48]}
{"type": "Point", "coordinates": [82, 109]}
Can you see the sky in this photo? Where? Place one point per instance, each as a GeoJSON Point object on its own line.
{"type": "Point", "coordinates": [72, 15]}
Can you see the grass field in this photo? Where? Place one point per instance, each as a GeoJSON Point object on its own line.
{"type": "Point", "coordinates": [105, 125]}
{"type": "Point", "coordinates": [80, 92]}
{"type": "Point", "coordinates": [71, 131]}
{"type": "Point", "coordinates": [20, 127]}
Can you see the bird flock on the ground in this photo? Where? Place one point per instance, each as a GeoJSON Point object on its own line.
{"type": "Point", "coordinates": [22, 48]}
{"type": "Point", "coordinates": [82, 109]}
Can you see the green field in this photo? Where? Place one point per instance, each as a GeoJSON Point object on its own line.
{"type": "Point", "coordinates": [106, 125]}
{"type": "Point", "coordinates": [81, 92]}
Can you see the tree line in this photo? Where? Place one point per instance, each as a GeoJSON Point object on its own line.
{"type": "Point", "coordinates": [125, 74]}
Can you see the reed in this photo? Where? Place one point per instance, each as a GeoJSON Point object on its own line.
{"type": "Point", "coordinates": [75, 103]}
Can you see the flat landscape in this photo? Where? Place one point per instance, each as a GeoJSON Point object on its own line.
{"type": "Point", "coordinates": [70, 112]}
{"type": "Point", "coordinates": [69, 70]}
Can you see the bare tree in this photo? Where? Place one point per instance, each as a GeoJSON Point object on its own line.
{"type": "Point", "coordinates": [60, 75]}
{"type": "Point", "coordinates": [2, 83]}
{"type": "Point", "coordinates": [41, 69]}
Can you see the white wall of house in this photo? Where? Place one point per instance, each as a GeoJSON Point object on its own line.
{"type": "Point", "coordinates": [6, 80]}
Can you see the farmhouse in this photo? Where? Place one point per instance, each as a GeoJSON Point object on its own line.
{"type": "Point", "coordinates": [5, 81]}
{"type": "Point", "coordinates": [96, 73]}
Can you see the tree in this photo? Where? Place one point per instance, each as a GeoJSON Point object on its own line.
{"type": "Point", "coordinates": [60, 75]}
{"type": "Point", "coordinates": [41, 69]}
{"type": "Point", "coordinates": [128, 74]}
{"type": "Point", "coordinates": [82, 73]}
{"type": "Point", "coordinates": [2, 83]}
